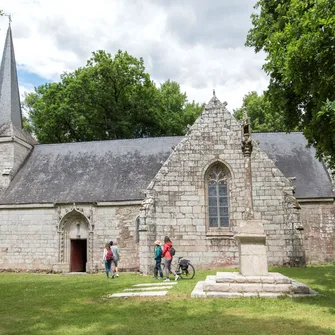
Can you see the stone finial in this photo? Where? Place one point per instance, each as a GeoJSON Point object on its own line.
{"type": "Point", "coordinates": [215, 103]}
{"type": "Point", "coordinates": [9, 18]}
{"type": "Point", "coordinates": [245, 114]}
{"type": "Point", "coordinates": [246, 145]}
{"type": "Point", "coordinates": [246, 134]}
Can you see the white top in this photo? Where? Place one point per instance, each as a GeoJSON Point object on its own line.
{"type": "Point", "coordinates": [105, 254]}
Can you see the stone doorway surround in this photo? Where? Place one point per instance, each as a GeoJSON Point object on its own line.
{"type": "Point", "coordinates": [74, 225]}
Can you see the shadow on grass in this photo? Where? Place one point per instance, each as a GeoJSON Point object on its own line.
{"type": "Point", "coordinates": [154, 317]}
{"type": "Point", "coordinates": [78, 305]}
{"type": "Point", "coordinates": [318, 278]}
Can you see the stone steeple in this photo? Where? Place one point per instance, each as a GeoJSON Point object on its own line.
{"type": "Point", "coordinates": [10, 107]}
{"type": "Point", "coordinates": [15, 142]}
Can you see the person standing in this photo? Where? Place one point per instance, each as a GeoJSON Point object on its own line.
{"type": "Point", "coordinates": [168, 259]}
{"type": "Point", "coordinates": [116, 258]}
{"type": "Point", "coordinates": [107, 259]}
{"type": "Point", "coordinates": [158, 259]}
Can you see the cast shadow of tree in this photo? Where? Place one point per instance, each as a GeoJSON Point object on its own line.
{"type": "Point", "coordinates": [323, 283]}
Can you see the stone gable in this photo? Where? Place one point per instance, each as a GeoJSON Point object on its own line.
{"type": "Point", "coordinates": [179, 192]}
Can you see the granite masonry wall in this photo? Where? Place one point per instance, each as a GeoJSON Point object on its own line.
{"type": "Point", "coordinates": [319, 231]}
{"type": "Point", "coordinates": [176, 200]}
{"type": "Point", "coordinates": [37, 238]}
{"type": "Point", "coordinates": [6, 163]}
{"type": "Point", "coordinates": [12, 154]}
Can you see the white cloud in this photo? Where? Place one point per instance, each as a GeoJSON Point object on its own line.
{"type": "Point", "coordinates": [198, 44]}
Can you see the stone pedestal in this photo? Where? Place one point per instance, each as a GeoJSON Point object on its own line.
{"type": "Point", "coordinates": [252, 248]}
{"type": "Point", "coordinates": [253, 280]}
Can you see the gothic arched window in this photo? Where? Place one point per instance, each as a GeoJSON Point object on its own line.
{"type": "Point", "coordinates": [218, 196]}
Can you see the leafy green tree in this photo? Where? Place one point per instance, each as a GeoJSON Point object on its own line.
{"type": "Point", "coordinates": [26, 124]}
{"type": "Point", "coordinates": [261, 114]}
{"type": "Point", "coordinates": [298, 37]}
{"type": "Point", "coordinates": [109, 98]}
{"type": "Point", "coordinates": [178, 112]}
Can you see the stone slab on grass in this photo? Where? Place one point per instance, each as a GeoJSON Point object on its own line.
{"type": "Point", "coordinates": [138, 294]}
{"type": "Point", "coordinates": [157, 284]}
{"type": "Point", "coordinates": [149, 288]}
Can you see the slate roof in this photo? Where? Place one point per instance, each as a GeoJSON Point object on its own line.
{"type": "Point", "coordinates": [294, 159]}
{"type": "Point", "coordinates": [89, 171]}
{"type": "Point", "coordinates": [120, 170]}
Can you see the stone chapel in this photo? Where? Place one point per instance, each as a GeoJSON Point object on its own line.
{"type": "Point", "coordinates": [60, 203]}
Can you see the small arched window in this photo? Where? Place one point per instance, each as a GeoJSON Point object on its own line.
{"type": "Point", "coordinates": [218, 196]}
{"type": "Point", "coordinates": [137, 230]}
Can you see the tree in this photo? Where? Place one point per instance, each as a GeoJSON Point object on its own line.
{"type": "Point", "coordinates": [261, 114]}
{"type": "Point", "coordinates": [298, 37]}
{"type": "Point", "coordinates": [109, 98]}
{"type": "Point", "coordinates": [178, 112]}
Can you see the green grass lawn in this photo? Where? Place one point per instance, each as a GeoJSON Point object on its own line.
{"type": "Point", "coordinates": [78, 304]}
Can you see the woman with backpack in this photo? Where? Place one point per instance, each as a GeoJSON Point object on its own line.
{"type": "Point", "coordinates": [107, 259]}
{"type": "Point", "coordinates": [168, 258]}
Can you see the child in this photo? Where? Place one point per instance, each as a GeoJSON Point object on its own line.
{"type": "Point", "coordinates": [158, 259]}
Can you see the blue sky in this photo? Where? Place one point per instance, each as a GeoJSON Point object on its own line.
{"type": "Point", "coordinates": [28, 79]}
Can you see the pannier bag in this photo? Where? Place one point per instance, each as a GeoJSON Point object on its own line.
{"type": "Point", "coordinates": [184, 264]}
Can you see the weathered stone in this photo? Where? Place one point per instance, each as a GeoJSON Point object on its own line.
{"type": "Point", "coordinates": [38, 236]}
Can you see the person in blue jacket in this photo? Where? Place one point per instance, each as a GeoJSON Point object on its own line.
{"type": "Point", "coordinates": [158, 259]}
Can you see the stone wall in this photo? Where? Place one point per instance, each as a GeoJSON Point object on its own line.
{"type": "Point", "coordinates": [30, 237]}
{"type": "Point", "coordinates": [118, 223]}
{"type": "Point", "coordinates": [180, 198]}
{"type": "Point", "coordinates": [6, 163]}
{"type": "Point", "coordinates": [12, 154]}
{"type": "Point", "coordinates": [318, 220]}
{"type": "Point", "coordinates": [278, 209]}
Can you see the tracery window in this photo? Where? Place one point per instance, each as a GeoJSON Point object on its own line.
{"type": "Point", "coordinates": [218, 196]}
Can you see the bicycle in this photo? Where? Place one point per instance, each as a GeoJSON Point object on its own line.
{"type": "Point", "coordinates": [184, 269]}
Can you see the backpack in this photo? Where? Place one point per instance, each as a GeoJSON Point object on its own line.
{"type": "Point", "coordinates": [109, 255]}
{"type": "Point", "coordinates": [172, 251]}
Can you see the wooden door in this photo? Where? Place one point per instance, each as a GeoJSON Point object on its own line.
{"type": "Point", "coordinates": [78, 255]}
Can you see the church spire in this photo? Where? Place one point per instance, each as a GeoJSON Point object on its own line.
{"type": "Point", "coordinates": [10, 107]}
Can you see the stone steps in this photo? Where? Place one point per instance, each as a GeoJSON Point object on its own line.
{"type": "Point", "coordinates": [235, 277]}
{"type": "Point", "coordinates": [234, 285]}
{"type": "Point", "coordinates": [247, 288]}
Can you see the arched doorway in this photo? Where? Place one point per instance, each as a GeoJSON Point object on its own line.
{"type": "Point", "coordinates": [75, 241]}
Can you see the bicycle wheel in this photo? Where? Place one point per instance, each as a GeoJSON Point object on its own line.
{"type": "Point", "coordinates": [187, 273]}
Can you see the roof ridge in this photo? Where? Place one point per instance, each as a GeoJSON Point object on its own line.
{"type": "Point", "coordinates": [116, 140]}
